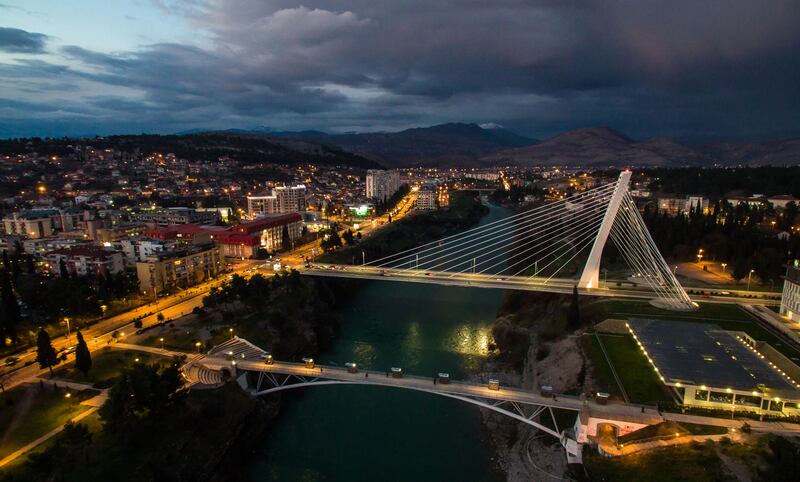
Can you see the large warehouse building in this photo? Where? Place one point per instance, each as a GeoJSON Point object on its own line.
{"type": "Point", "coordinates": [714, 368]}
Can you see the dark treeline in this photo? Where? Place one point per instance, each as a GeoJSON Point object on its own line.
{"type": "Point", "coordinates": [465, 210]}
{"type": "Point", "coordinates": [291, 315]}
{"type": "Point", "coordinates": [718, 182]}
{"type": "Point", "coordinates": [46, 299]}
{"type": "Point", "coordinates": [742, 236]}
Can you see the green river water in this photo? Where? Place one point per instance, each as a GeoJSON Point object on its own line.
{"type": "Point", "coordinates": [359, 433]}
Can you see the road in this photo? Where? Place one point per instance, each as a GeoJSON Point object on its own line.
{"type": "Point", "coordinates": [174, 306]}
{"type": "Point", "coordinates": [477, 280]}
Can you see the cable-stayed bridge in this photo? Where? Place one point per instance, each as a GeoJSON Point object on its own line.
{"type": "Point", "coordinates": [552, 247]}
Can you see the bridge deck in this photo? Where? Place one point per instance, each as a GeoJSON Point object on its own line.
{"type": "Point", "coordinates": [522, 283]}
{"type": "Point", "coordinates": [454, 388]}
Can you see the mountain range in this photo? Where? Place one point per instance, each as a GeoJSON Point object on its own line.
{"type": "Point", "coordinates": [471, 145]}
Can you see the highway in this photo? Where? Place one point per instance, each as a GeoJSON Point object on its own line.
{"type": "Point", "coordinates": [476, 280]}
{"type": "Point", "coordinates": [173, 306]}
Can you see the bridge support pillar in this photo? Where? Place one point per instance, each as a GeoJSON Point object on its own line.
{"type": "Point", "coordinates": [590, 278]}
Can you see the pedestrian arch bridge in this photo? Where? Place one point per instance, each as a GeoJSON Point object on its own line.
{"type": "Point", "coordinates": [257, 373]}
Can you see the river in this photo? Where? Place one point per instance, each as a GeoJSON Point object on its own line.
{"type": "Point", "coordinates": [358, 433]}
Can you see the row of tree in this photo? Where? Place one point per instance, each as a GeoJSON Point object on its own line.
{"type": "Point", "coordinates": [732, 234]}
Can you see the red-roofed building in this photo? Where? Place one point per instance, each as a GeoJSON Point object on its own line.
{"type": "Point", "coordinates": [241, 240]}
{"type": "Point", "coordinates": [244, 239]}
{"type": "Point", "coordinates": [86, 260]}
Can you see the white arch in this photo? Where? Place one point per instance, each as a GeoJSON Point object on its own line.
{"type": "Point", "coordinates": [434, 392]}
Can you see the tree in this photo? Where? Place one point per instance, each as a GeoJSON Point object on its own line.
{"type": "Point", "coordinates": [10, 310]}
{"type": "Point", "coordinates": [83, 358]}
{"type": "Point", "coordinates": [740, 268]}
{"type": "Point", "coordinates": [62, 269]}
{"type": "Point", "coordinates": [574, 316]}
{"type": "Point", "coordinates": [286, 240]}
{"type": "Point", "coordinates": [348, 237]}
{"type": "Point", "coordinates": [45, 353]}
{"type": "Point", "coordinates": [331, 241]}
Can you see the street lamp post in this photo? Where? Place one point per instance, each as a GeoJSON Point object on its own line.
{"type": "Point", "coordinates": [66, 320]}
{"type": "Point", "coordinates": [724, 265]}
{"type": "Point", "coordinates": [230, 330]}
{"type": "Point", "coordinates": [749, 275]}
{"type": "Point", "coordinates": [162, 342]}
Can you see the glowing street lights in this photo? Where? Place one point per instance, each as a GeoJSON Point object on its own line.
{"type": "Point", "coordinates": [230, 330]}
{"type": "Point", "coordinates": [749, 275]}
{"type": "Point", "coordinates": [162, 342]}
{"type": "Point", "coordinates": [699, 255]}
{"type": "Point", "coordinates": [724, 265]}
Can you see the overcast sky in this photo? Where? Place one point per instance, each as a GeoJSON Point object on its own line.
{"type": "Point", "coordinates": [692, 70]}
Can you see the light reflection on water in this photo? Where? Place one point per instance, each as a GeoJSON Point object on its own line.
{"type": "Point", "coordinates": [469, 339]}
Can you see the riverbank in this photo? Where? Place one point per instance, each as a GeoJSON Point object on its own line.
{"type": "Point", "coordinates": [534, 347]}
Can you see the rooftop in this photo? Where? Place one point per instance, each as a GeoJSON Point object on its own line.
{"type": "Point", "coordinates": [704, 354]}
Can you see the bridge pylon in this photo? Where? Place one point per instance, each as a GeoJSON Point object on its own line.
{"type": "Point", "coordinates": [590, 278]}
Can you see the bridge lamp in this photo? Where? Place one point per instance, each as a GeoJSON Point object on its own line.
{"type": "Point", "coordinates": [268, 359]}
{"type": "Point", "coordinates": [198, 345]}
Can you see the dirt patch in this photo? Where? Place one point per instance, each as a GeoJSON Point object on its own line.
{"type": "Point", "coordinates": [612, 326]}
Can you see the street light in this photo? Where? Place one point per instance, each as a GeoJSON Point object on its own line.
{"type": "Point", "coordinates": [699, 255]}
{"type": "Point", "coordinates": [749, 275]}
{"type": "Point", "coordinates": [724, 265]}
{"type": "Point", "coordinates": [162, 342]}
{"type": "Point", "coordinates": [230, 330]}
{"type": "Point", "coordinates": [66, 320]}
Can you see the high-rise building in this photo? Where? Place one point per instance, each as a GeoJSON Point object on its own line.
{"type": "Point", "coordinates": [282, 200]}
{"type": "Point", "coordinates": [382, 184]}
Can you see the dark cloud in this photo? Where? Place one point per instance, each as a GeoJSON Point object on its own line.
{"type": "Point", "coordinates": [15, 40]}
{"type": "Point", "coordinates": [682, 68]}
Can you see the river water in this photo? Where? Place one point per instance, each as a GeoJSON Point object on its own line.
{"type": "Point", "coordinates": [359, 433]}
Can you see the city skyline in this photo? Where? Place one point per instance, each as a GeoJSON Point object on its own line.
{"type": "Point", "coordinates": [720, 70]}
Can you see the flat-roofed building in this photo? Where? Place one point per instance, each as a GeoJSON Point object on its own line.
{"type": "Point", "coordinates": [713, 368]}
{"type": "Point", "coordinates": [86, 260]}
{"type": "Point", "coordinates": [281, 200]}
{"type": "Point", "coordinates": [790, 299]}
{"type": "Point", "coordinates": [382, 184]}
{"type": "Point", "coordinates": [179, 269]}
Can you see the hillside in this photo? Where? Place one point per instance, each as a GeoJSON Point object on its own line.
{"type": "Point", "coordinates": [210, 146]}
{"type": "Point", "coordinates": [603, 146]}
{"type": "Point", "coordinates": [599, 146]}
{"type": "Point", "coordinates": [441, 145]}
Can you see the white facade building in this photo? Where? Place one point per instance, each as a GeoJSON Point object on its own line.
{"type": "Point", "coordinates": [382, 184]}
{"type": "Point", "coordinates": [282, 200]}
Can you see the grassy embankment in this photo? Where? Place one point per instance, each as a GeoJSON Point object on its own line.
{"type": "Point", "coordinates": [107, 364]}
{"type": "Point", "coordinates": [637, 375]}
{"type": "Point", "coordinates": [29, 411]}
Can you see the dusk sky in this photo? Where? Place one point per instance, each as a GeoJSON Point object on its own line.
{"type": "Point", "coordinates": [693, 70]}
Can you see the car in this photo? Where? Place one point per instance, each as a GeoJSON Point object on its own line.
{"type": "Point", "coordinates": [67, 350]}
{"type": "Point", "coordinates": [11, 361]}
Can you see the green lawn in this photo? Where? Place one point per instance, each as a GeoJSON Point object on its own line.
{"type": "Point", "coordinates": [107, 364]}
{"type": "Point", "coordinates": [177, 339]}
{"type": "Point", "coordinates": [726, 316]}
{"type": "Point", "coordinates": [600, 368]}
{"type": "Point", "coordinates": [640, 380]}
{"type": "Point", "coordinates": [49, 408]}
{"type": "Point", "coordinates": [695, 462]}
